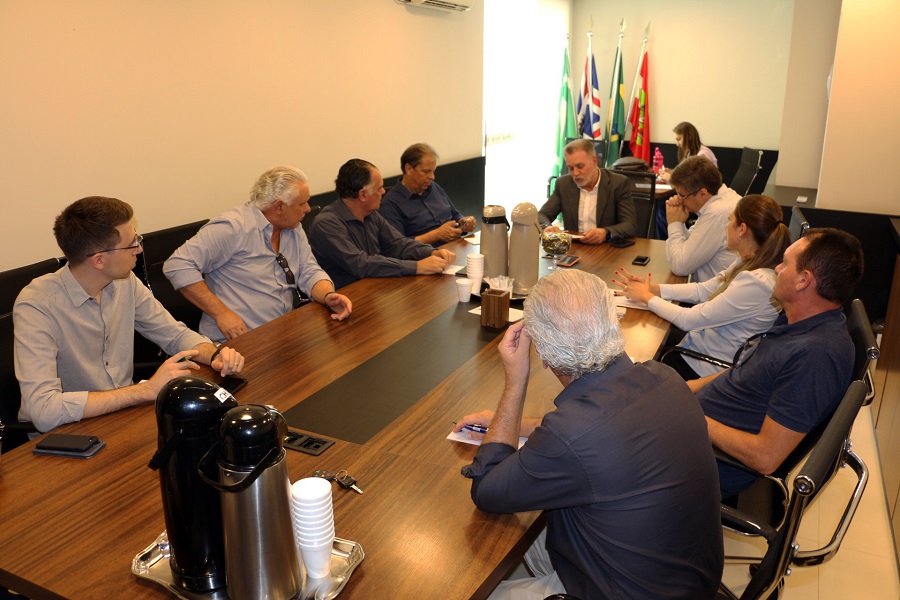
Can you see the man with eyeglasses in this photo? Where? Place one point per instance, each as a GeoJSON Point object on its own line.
{"type": "Point", "coordinates": [74, 329]}
{"type": "Point", "coordinates": [702, 250]}
{"type": "Point", "coordinates": [785, 382]}
{"type": "Point", "coordinates": [249, 265]}
{"type": "Point", "coordinates": [352, 240]}
{"type": "Point", "coordinates": [593, 201]}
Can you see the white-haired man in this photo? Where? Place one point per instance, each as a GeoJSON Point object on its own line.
{"type": "Point", "coordinates": [248, 266]}
{"type": "Point", "coordinates": [623, 465]}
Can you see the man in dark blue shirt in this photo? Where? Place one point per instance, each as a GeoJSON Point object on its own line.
{"type": "Point", "coordinates": [622, 465]}
{"type": "Point", "coordinates": [788, 380]}
{"type": "Point", "coordinates": [418, 207]}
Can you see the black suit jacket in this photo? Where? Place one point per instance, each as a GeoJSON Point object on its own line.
{"type": "Point", "coordinates": [615, 207]}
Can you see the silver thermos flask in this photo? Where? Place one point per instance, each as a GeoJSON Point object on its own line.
{"type": "Point", "coordinates": [524, 242]}
{"type": "Point", "coordinates": [494, 240]}
{"type": "Point", "coordinates": [261, 556]}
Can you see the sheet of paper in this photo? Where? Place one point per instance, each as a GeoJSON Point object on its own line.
{"type": "Point", "coordinates": [514, 313]}
{"type": "Point", "coordinates": [474, 239]}
{"type": "Point", "coordinates": [461, 437]}
{"type": "Point", "coordinates": [452, 269]}
{"type": "Point", "coordinates": [624, 302]}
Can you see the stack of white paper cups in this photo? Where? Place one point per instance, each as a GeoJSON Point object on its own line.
{"type": "Point", "coordinates": [312, 513]}
{"type": "Point", "coordinates": [475, 270]}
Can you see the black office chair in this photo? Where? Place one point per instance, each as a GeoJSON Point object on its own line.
{"type": "Point", "coordinates": [158, 247]}
{"type": "Point", "coordinates": [15, 433]}
{"type": "Point", "coordinates": [644, 196]}
{"type": "Point", "coordinates": [799, 224]}
{"type": "Point", "coordinates": [307, 221]}
{"type": "Point", "coordinates": [747, 170]}
{"type": "Point", "coordinates": [830, 453]}
{"type": "Point", "coordinates": [866, 349]}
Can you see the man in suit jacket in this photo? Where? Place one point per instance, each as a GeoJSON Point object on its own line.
{"type": "Point", "coordinates": [592, 200]}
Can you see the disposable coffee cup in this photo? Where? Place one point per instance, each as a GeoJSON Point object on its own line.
{"type": "Point", "coordinates": [464, 289]}
{"type": "Point", "coordinates": [311, 490]}
{"type": "Point", "coordinates": [317, 559]}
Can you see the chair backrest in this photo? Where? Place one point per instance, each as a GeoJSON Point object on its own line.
{"type": "Point", "coordinates": [644, 196]}
{"type": "Point", "coordinates": [11, 283]}
{"type": "Point", "coordinates": [863, 337]}
{"type": "Point", "coordinates": [829, 453]}
{"type": "Point", "coordinates": [750, 162]}
{"type": "Point", "coordinates": [307, 221]}
{"type": "Point", "coordinates": [158, 247]}
{"type": "Point", "coordinates": [798, 225]}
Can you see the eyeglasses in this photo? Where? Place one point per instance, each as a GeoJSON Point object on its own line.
{"type": "Point", "coordinates": [138, 241]}
{"type": "Point", "coordinates": [684, 196]}
{"type": "Point", "coordinates": [747, 349]}
{"type": "Point", "coordinates": [299, 299]}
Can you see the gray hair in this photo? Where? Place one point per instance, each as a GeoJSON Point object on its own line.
{"type": "Point", "coordinates": [582, 144]}
{"type": "Point", "coordinates": [571, 318]}
{"type": "Point", "coordinates": [276, 184]}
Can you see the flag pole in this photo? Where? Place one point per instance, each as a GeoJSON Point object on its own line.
{"type": "Point", "coordinates": [638, 72]}
{"type": "Point", "coordinates": [571, 73]}
{"type": "Point", "coordinates": [610, 111]}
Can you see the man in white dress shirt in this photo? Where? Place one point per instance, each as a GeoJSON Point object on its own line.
{"type": "Point", "coordinates": [700, 251]}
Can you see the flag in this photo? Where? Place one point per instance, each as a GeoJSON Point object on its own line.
{"type": "Point", "coordinates": [615, 127]}
{"type": "Point", "coordinates": [589, 123]}
{"type": "Point", "coordinates": [565, 126]}
{"type": "Point", "coordinates": [640, 116]}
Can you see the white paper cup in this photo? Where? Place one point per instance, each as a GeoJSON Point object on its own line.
{"type": "Point", "coordinates": [312, 504]}
{"type": "Point", "coordinates": [464, 289]}
{"type": "Point", "coordinates": [314, 529]}
{"type": "Point", "coordinates": [311, 513]}
{"type": "Point", "coordinates": [323, 538]}
{"type": "Point", "coordinates": [311, 490]}
{"type": "Point", "coordinates": [317, 559]}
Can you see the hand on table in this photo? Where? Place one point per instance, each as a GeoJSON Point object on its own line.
{"type": "Point", "coordinates": [228, 362]}
{"type": "Point", "coordinates": [449, 231]}
{"type": "Point", "coordinates": [635, 288]}
{"type": "Point", "coordinates": [340, 306]}
{"type": "Point", "coordinates": [597, 235]}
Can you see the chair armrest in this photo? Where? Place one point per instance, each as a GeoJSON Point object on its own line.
{"type": "Point", "coordinates": [700, 356]}
{"type": "Point", "coordinates": [727, 459]}
{"type": "Point", "coordinates": [743, 523]}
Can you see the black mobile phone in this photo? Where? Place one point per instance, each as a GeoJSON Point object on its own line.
{"type": "Point", "coordinates": [641, 261]}
{"type": "Point", "coordinates": [67, 442]}
{"type": "Point", "coordinates": [73, 446]}
{"type": "Point", "coordinates": [621, 243]}
{"type": "Point", "coordinates": [232, 383]}
{"type": "Point", "coordinates": [568, 260]}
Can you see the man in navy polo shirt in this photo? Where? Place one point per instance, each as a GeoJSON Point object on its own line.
{"type": "Point", "coordinates": [788, 380]}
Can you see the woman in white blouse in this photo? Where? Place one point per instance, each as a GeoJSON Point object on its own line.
{"type": "Point", "coordinates": [732, 306]}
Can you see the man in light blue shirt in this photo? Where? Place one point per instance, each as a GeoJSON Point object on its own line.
{"type": "Point", "coordinates": [248, 266]}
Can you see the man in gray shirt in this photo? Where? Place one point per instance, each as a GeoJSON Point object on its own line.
{"type": "Point", "coordinates": [74, 329]}
{"type": "Point", "coordinates": [247, 266]}
{"type": "Point", "coordinates": [352, 240]}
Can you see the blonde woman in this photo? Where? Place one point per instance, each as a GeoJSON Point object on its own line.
{"type": "Point", "coordinates": [732, 306]}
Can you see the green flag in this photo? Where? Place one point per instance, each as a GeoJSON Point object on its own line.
{"type": "Point", "coordinates": [616, 123]}
{"type": "Point", "coordinates": [565, 126]}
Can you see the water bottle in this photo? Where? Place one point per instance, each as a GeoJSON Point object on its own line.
{"type": "Point", "coordinates": [657, 161]}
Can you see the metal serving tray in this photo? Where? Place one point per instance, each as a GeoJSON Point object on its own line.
{"type": "Point", "coordinates": [153, 564]}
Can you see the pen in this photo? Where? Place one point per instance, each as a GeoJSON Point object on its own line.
{"type": "Point", "coordinates": [476, 428]}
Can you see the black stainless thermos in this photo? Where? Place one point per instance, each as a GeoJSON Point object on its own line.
{"type": "Point", "coordinates": [188, 413]}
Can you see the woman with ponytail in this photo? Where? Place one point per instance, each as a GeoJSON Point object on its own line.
{"type": "Point", "coordinates": [732, 306]}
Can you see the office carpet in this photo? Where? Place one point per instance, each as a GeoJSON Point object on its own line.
{"type": "Point", "coordinates": [365, 400]}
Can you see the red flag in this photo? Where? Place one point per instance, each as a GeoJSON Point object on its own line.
{"type": "Point", "coordinates": [640, 117]}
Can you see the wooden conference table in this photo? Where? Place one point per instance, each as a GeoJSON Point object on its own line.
{"type": "Point", "coordinates": [69, 528]}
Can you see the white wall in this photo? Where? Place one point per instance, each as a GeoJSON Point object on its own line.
{"type": "Point", "coordinates": [863, 117]}
{"type": "Point", "coordinates": [176, 107]}
{"type": "Point", "coordinates": [720, 65]}
{"type": "Point", "coordinates": [806, 99]}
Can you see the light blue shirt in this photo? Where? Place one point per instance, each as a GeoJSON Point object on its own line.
{"type": "Point", "coordinates": [233, 253]}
